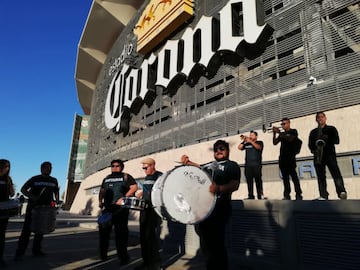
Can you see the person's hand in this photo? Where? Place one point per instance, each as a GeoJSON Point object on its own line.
{"type": "Point", "coordinates": [120, 201]}
{"type": "Point", "coordinates": [101, 204]}
{"type": "Point", "coordinates": [184, 159]}
{"type": "Point", "coordinates": [214, 188]}
{"type": "Point", "coordinates": [139, 193]}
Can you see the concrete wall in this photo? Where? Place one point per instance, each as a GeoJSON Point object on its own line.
{"type": "Point", "coordinates": [344, 119]}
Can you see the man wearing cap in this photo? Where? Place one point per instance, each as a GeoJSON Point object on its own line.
{"type": "Point", "coordinates": [114, 187]}
{"type": "Point", "coordinates": [149, 219]}
{"type": "Point", "coordinates": [226, 179]}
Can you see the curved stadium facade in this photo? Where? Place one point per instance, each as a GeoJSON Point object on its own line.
{"type": "Point", "coordinates": [216, 69]}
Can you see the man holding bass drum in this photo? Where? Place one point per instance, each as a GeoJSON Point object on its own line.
{"type": "Point", "coordinates": [226, 179]}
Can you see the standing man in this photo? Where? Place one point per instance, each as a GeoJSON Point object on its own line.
{"type": "Point", "coordinates": [287, 160]}
{"type": "Point", "coordinates": [149, 220]}
{"type": "Point", "coordinates": [322, 142]}
{"type": "Point", "coordinates": [253, 160]}
{"type": "Point", "coordinates": [114, 187]}
{"type": "Point", "coordinates": [226, 179]}
{"type": "Point", "coordinates": [42, 190]}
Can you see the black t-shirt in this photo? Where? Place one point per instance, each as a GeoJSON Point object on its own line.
{"type": "Point", "coordinates": [253, 156]}
{"type": "Point", "coordinates": [329, 134]}
{"type": "Point", "coordinates": [149, 182]}
{"type": "Point", "coordinates": [115, 186]}
{"type": "Point", "coordinates": [222, 172]}
{"type": "Point", "coordinates": [42, 187]}
{"type": "Point", "coordinates": [287, 148]}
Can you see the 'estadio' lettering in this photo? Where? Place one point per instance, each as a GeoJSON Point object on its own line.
{"type": "Point", "coordinates": [130, 88]}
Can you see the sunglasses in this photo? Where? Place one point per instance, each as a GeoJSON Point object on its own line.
{"type": "Point", "coordinates": [115, 166]}
{"type": "Point", "coordinates": [221, 148]}
{"type": "Point", "coordinates": [145, 168]}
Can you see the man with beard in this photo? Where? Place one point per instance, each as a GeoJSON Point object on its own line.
{"type": "Point", "coordinates": [226, 179]}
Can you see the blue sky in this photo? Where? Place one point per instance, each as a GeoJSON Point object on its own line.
{"type": "Point", "coordinates": [38, 49]}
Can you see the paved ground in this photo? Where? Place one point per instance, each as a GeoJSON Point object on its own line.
{"type": "Point", "coordinates": [73, 245]}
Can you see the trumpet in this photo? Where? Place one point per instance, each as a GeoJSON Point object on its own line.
{"type": "Point", "coordinates": [272, 129]}
{"type": "Point", "coordinates": [243, 137]}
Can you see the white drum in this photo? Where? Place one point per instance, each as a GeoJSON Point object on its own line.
{"type": "Point", "coordinates": [133, 203]}
{"type": "Point", "coordinates": [183, 195]}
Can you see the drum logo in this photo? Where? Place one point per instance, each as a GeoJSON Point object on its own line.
{"type": "Point", "coordinates": [197, 178]}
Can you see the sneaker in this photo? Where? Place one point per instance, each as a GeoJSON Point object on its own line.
{"type": "Point", "coordinates": [343, 196]}
{"type": "Point", "coordinates": [262, 197]}
{"type": "Point", "coordinates": [320, 199]}
{"type": "Point", "coordinates": [286, 198]}
{"type": "Point", "coordinates": [250, 198]}
{"type": "Point", "coordinates": [299, 198]}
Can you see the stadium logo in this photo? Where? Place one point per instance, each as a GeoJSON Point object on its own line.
{"type": "Point", "coordinates": [235, 34]}
{"type": "Point", "coordinates": [159, 20]}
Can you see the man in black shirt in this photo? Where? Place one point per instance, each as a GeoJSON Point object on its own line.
{"type": "Point", "coordinates": [149, 219]}
{"type": "Point", "coordinates": [41, 190]}
{"type": "Point", "coordinates": [226, 179]}
{"type": "Point", "coordinates": [322, 142]}
{"type": "Point", "coordinates": [114, 187]}
{"type": "Point", "coordinates": [253, 159]}
{"type": "Point", "coordinates": [287, 160]}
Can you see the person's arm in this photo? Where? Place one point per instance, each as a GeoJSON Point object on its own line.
{"type": "Point", "coordinates": [26, 190]}
{"type": "Point", "coordinates": [230, 187]}
{"type": "Point", "coordinates": [186, 161]}
{"type": "Point", "coordinates": [11, 187]}
{"type": "Point", "coordinates": [132, 189]}
{"type": "Point", "coordinates": [57, 193]}
{"type": "Point", "coordinates": [256, 145]}
{"type": "Point", "coordinates": [276, 140]}
{"type": "Point", "coordinates": [101, 197]}
{"type": "Point", "coordinates": [241, 146]}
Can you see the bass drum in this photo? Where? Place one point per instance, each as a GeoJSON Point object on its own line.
{"type": "Point", "coordinates": [183, 195]}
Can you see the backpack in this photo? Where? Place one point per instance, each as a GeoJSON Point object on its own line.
{"type": "Point", "coordinates": [297, 145]}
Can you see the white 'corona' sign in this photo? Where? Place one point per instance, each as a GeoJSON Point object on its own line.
{"type": "Point", "coordinates": [177, 61]}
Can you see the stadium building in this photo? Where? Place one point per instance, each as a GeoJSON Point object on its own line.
{"type": "Point", "coordinates": [163, 78]}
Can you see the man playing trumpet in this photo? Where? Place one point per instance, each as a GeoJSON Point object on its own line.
{"type": "Point", "coordinates": [287, 160]}
{"type": "Point", "coordinates": [322, 142]}
{"type": "Point", "coordinates": [253, 159]}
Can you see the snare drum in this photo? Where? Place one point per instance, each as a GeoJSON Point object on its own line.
{"type": "Point", "coordinates": [183, 195]}
{"type": "Point", "coordinates": [133, 203]}
{"type": "Point", "coordinates": [43, 219]}
{"type": "Point", "coordinates": [9, 208]}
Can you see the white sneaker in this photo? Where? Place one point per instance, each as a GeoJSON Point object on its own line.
{"type": "Point", "coordinates": [320, 199]}
{"type": "Point", "coordinates": [343, 196]}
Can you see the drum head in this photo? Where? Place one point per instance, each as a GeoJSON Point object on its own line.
{"type": "Point", "coordinates": [156, 198]}
{"type": "Point", "coordinates": [186, 195]}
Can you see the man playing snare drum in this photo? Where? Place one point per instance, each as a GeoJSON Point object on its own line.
{"type": "Point", "coordinates": [149, 219]}
{"type": "Point", "coordinates": [42, 190]}
{"type": "Point", "coordinates": [114, 187]}
{"type": "Point", "coordinates": [226, 179]}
